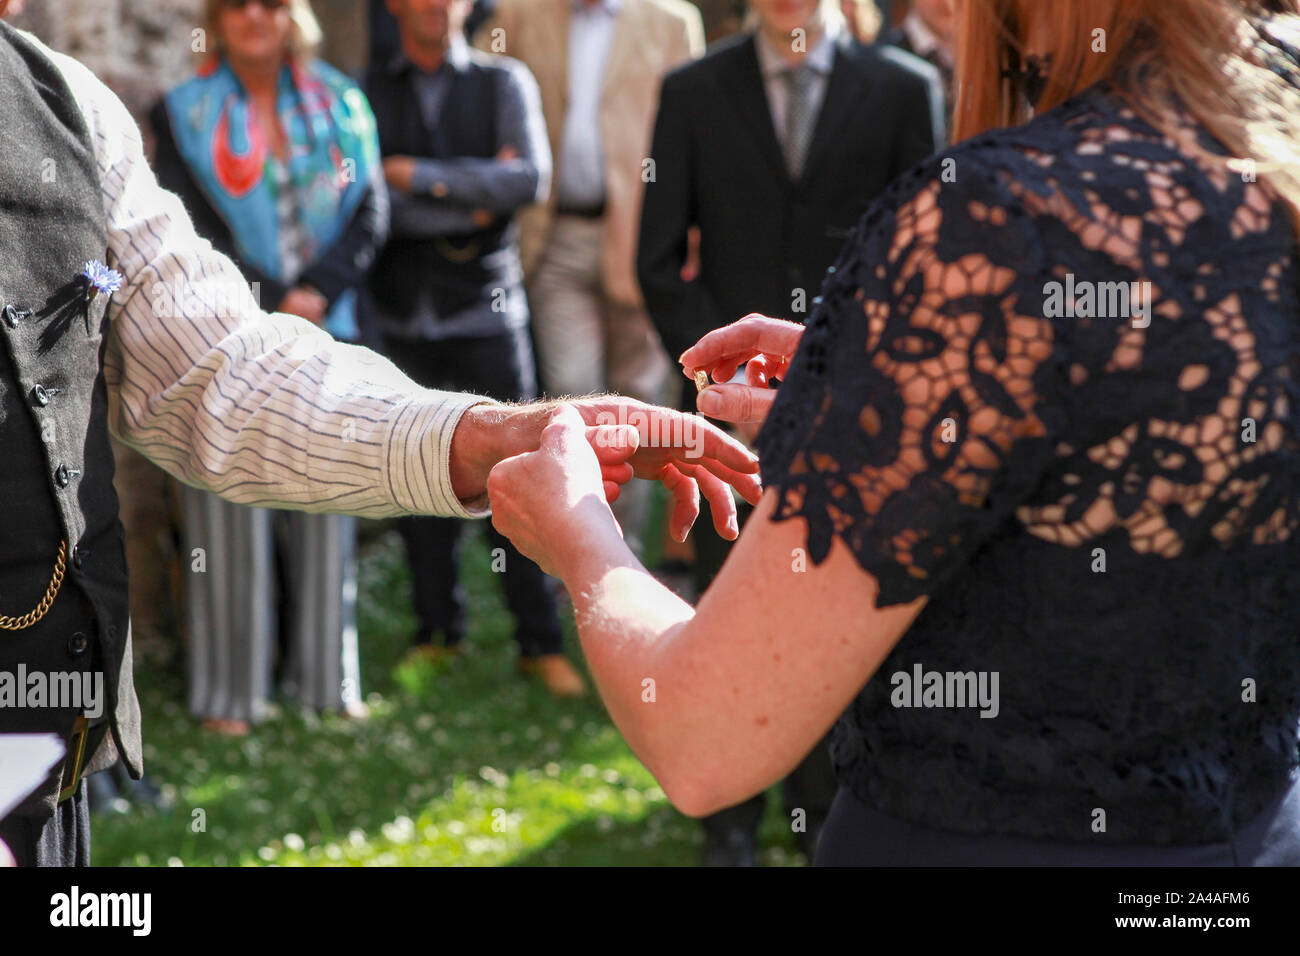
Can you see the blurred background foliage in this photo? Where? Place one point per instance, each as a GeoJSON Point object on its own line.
{"type": "Point", "coordinates": [459, 764]}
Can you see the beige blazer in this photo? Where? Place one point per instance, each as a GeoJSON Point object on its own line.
{"type": "Point", "coordinates": [650, 38]}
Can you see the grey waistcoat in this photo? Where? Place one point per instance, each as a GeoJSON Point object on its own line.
{"type": "Point", "coordinates": [56, 466]}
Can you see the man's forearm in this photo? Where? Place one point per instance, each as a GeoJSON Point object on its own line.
{"type": "Point", "coordinates": [499, 185]}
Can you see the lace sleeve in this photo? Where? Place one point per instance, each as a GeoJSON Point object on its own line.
{"type": "Point", "coordinates": [924, 399]}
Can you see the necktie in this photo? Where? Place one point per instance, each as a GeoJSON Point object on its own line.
{"type": "Point", "coordinates": [799, 117]}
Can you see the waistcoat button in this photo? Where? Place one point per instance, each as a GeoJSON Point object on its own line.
{"type": "Point", "coordinates": [77, 644]}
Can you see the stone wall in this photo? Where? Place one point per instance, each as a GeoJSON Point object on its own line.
{"type": "Point", "coordinates": [141, 47]}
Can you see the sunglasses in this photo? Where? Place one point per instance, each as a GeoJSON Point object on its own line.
{"type": "Point", "coordinates": [270, 6]}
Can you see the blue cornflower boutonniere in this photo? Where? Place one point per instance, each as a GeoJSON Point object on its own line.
{"type": "Point", "coordinates": [100, 278]}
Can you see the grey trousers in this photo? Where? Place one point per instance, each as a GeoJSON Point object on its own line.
{"type": "Point", "coordinates": [233, 590]}
{"type": "Point", "coordinates": [60, 840]}
{"type": "Point", "coordinates": [587, 343]}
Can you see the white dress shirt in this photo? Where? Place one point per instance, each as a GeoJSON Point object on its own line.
{"type": "Point", "coordinates": [264, 409]}
{"type": "Point", "coordinates": [580, 180]}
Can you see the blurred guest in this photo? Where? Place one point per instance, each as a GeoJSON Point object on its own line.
{"type": "Point", "coordinates": [384, 39]}
{"type": "Point", "coordinates": [480, 13]}
{"type": "Point", "coordinates": [771, 148]}
{"type": "Point", "coordinates": [928, 31]}
{"type": "Point", "coordinates": [275, 156]}
{"type": "Point", "coordinates": [598, 64]}
{"type": "Point", "coordinates": [721, 17]}
{"type": "Point", "coordinates": [862, 17]}
{"type": "Point", "coordinates": [464, 145]}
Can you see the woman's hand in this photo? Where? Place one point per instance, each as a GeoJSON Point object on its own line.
{"type": "Point", "coordinates": [552, 501]}
{"type": "Point", "coordinates": [306, 302]}
{"type": "Point", "coordinates": [764, 345]}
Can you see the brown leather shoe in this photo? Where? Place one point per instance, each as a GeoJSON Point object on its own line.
{"type": "Point", "coordinates": [227, 727]}
{"type": "Point", "coordinates": [555, 671]}
{"type": "Point", "coordinates": [433, 653]}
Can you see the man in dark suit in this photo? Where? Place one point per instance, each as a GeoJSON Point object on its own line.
{"type": "Point", "coordinates": [929, 30]}
{"type": "Point", "coordinates": [771, 147]}
{"type": "Point", "coordinates": [464, 145]}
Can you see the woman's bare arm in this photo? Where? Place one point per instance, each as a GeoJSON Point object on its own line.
{"type": "Point", "coordinates": [721, 701]}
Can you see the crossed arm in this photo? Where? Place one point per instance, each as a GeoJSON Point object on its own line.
{"type": "Point", "coordinates": [435, 197]}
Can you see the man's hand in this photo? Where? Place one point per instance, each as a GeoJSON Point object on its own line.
{"type": "Point", "coordinates": [764, 345]}
{"type": "Point", "coordinates": [683, 451]}
{"type": "Point", "coordinates": [399, 172]}
{"type": "Point", "coordinates": [306, 302]}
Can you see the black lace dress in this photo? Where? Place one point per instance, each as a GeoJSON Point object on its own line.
{"type": "Point", "coordinates": [1052, 383]}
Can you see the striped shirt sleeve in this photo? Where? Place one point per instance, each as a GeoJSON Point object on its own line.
{"type": "Point", "coordinates": [264, 409]}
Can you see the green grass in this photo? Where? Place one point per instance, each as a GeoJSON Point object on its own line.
{"type": "Point", "coordinates": [464, 765]}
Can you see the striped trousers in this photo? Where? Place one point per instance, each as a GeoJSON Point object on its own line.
{"type": "Point", "coordinates": [236, 590]}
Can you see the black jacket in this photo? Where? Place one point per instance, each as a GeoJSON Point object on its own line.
{"type": "Point", "coordinates": [898, 37]}
{"type": "Point", "coordinates": [767, 241]}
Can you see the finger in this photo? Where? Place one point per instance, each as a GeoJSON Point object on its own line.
{"type": "Point", "coordinates": [727, 370]}
{"type": "Point", "coordinates": [773, 366]}
{"type": "Point", "coordinates": [753, 333]}
{"type": "Point", "coordinates": [613, 443]}
{"type": "Point", "coordinates": [686, 501]}
{"type": "Point", "coordinates": [612, 490]}
{"type": "Point", "coordinates": [721, 504]}
{"type": "Point", "coordinates": [723, 369]}
{"type": "Point", "coordinates": [736, 403]}
{"type": "Point", "coordinates": [702, 439]}
{"type": "Point", "coordinates": [749, 486]}
{"type": "Point", "coordinates": [620, 473]}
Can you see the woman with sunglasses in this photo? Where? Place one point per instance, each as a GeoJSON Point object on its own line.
{"type": "Point", "coordinates": [1030, 535]}
{"type": "Point", "coordinates": [276, 157]}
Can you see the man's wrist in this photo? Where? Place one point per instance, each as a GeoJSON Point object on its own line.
{"type": "Point", "coordinates": [424, 179]}
{"type": "Point", "coordinates": [487, 434]}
